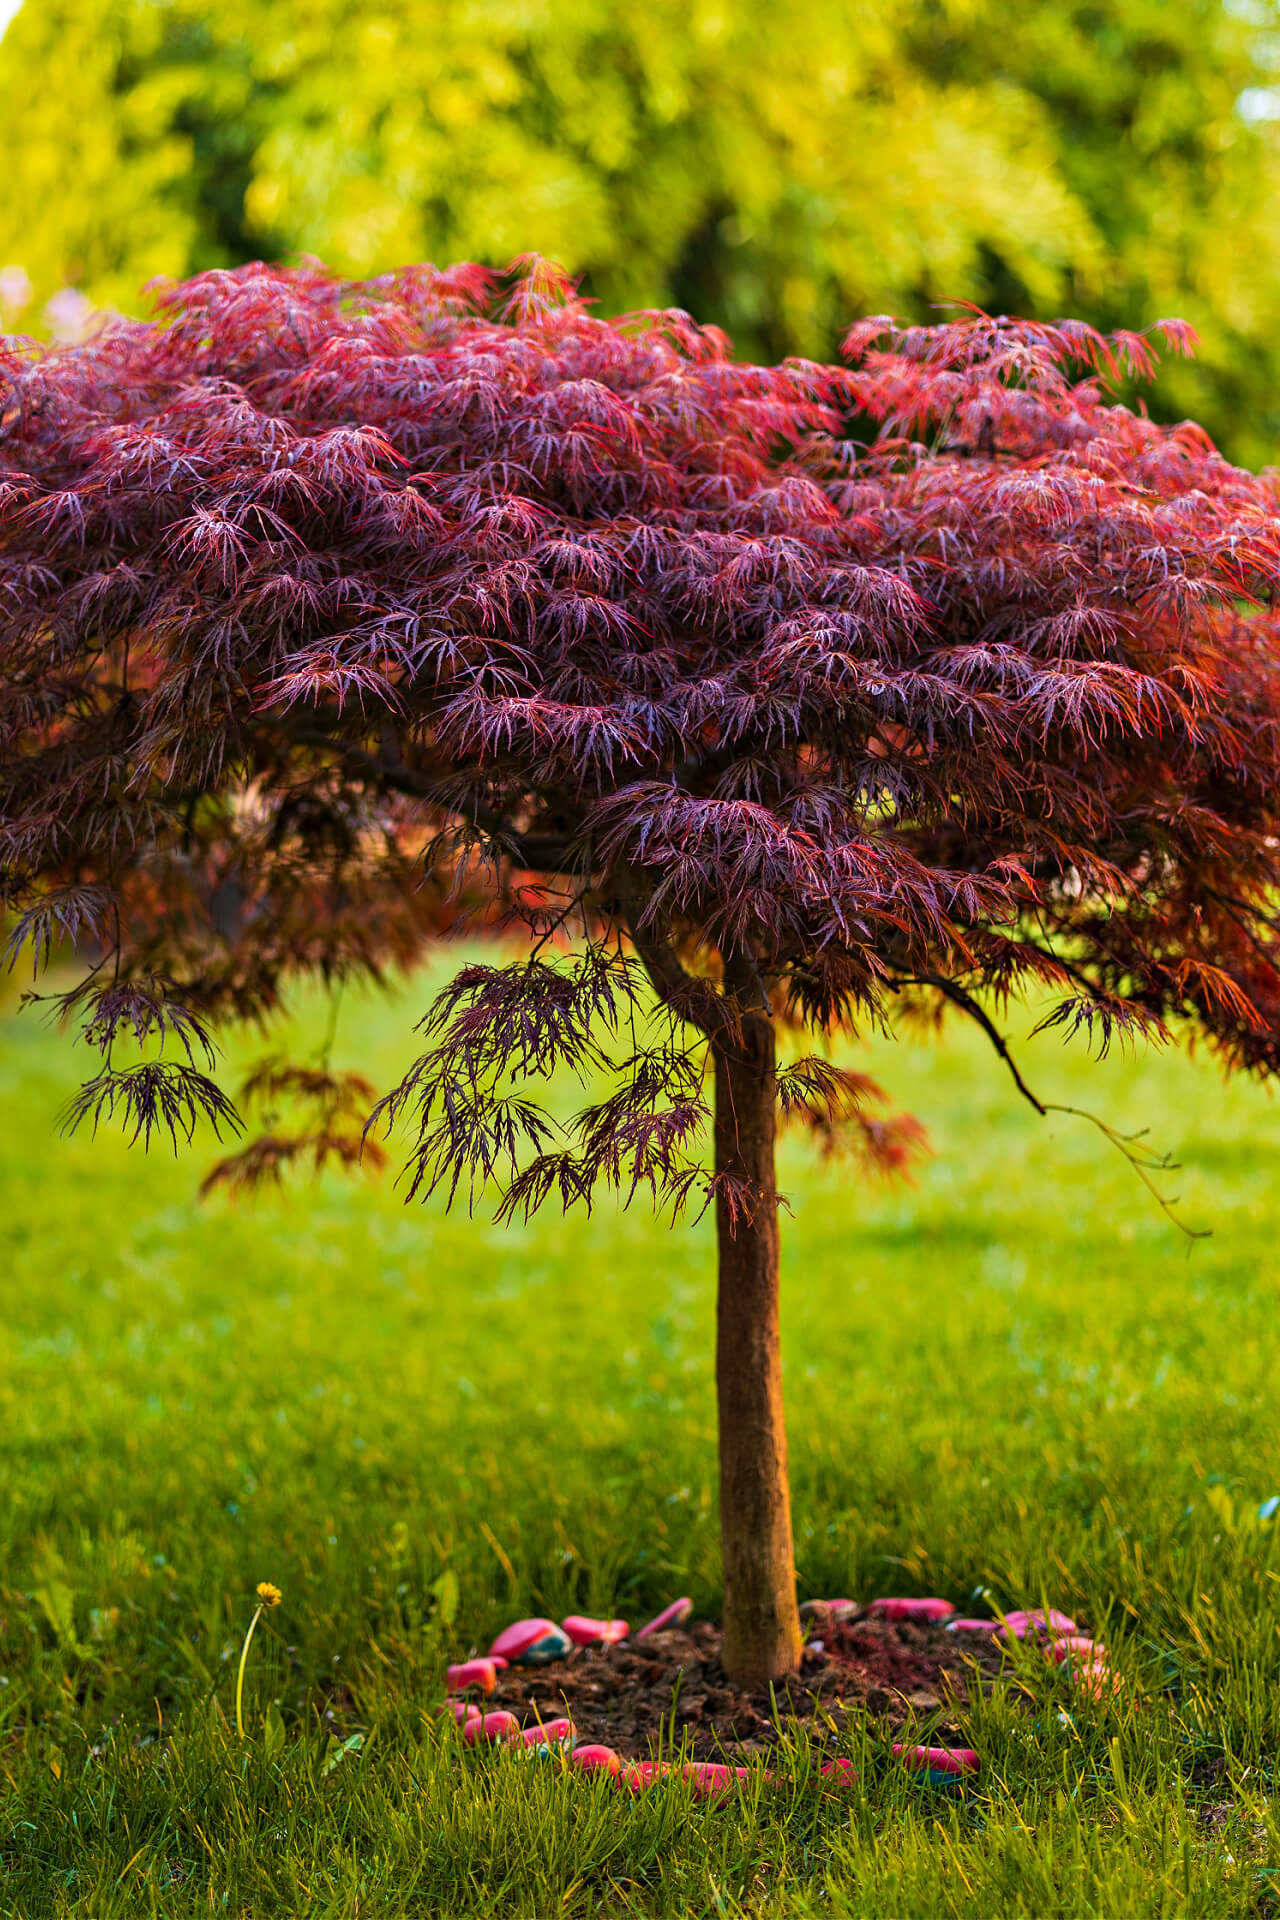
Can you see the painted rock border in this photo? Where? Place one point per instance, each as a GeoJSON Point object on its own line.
{"type": "Point", "coordinates": [537, 1642]}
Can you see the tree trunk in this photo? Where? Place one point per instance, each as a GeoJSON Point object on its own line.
{"type": "Point", "coordinates": [761, 1624]}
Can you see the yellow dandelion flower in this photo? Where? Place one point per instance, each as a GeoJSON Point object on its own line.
{"type": "Point", "coordinates": [269, 1596]}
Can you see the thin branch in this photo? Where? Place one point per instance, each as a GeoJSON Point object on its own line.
{"type": "Point", "coordinates": [539, 853]}
{"type": "Point", "coordinates": [969, 1005]}
{"type": "Point", "coordinates": [1225, 900]}
{"type": "Point", "coordinates": [694, 1000]}
{"type": "Point", "coordinates": [1144, 1160]}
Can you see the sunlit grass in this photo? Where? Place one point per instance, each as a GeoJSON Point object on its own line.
{"type": "Point", "coordinates": [1017, 1376]}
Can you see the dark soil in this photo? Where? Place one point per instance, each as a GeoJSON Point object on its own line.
{"type": "Point", "coordinates": [671, 1689]}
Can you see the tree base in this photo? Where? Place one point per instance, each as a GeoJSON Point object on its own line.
{"type": "Point", "coordinates": [891, 1673]}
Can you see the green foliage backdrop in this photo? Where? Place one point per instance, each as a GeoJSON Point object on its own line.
{"type": "Point", "coordinates": [776, 169]}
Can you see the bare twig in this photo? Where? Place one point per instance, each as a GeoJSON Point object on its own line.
{"type": "Point", "coordinates": [1144, 1160]}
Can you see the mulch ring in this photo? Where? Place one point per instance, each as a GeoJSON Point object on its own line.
{"type": "Point", "coordinates": [670, 1690]}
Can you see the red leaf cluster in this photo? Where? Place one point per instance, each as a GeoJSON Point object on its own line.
{"type": "Point", "coordinates": [329, 610]}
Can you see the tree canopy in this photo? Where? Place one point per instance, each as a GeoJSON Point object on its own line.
{"type": "Point", "coordinates": [308, 562]}
{"type": "Point", "coordinates": [772, 170]}
{"type": "Point", "coordinates": [807, 697]}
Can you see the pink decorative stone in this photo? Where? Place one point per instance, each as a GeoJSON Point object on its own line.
{"type": "Point", "coordinates": [840, 1773]}
{"type": "Point", "coordinates": [828, 1609]}
{"type": "Point", "coordinates": [472, 1673]}
{"type": "Point", "coordinates": [491, 1726]}
{"type": "Point", "coordinates": [643, 1773]}
{"type": "Point", "coordinates": [530, 1643]}
{"type": "Point", "coordinates": [939, 1759]}
{"type": "Point", "coordinates": [891, 1609]}
{"type": "Point", "coordinates": [1097, 1679]}
{"type": "Point", "coordinates": [1078, 1649]}
{"type": "Point", "coordinates": [713, 1782]}
{"type": "Point", "coordinates": [549, 1733]}
{"type": "Point", "coordinates": [673, 1616]}
{"type": "Point", "coordinates": [973, 1626]}
{"type": "Point", "coordinates": [1036, 1622]}
{"type": "Point", "coordinates": [589, 1633]}
{"type": "Point", "coordinates": [596, 1760]}
{"type": "Point", "coordinates": [462, 1711]}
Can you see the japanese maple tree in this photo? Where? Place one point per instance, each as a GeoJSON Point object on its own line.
{"type": "Point", "coordinates": [763, 702]}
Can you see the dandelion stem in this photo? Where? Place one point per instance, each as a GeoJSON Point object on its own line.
{"type": "Point", "coordinates": [244, 1655]}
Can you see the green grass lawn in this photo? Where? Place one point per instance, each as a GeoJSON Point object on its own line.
{"type": "Point", "coordinates": [1017, 1376]}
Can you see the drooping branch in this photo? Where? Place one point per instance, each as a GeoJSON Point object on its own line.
{"type": "Point", "coordinates": [495, 1029]}
{"type": "Point", "coordinates": [968, 1005]}
{"type": "Point", "coordinates": [1143, 1159]}
{"type": "Point", "coordinates": [835, 1102]}
{"type": "Point", "coordinates": [308, 1114]}
{"type": "Point", "coordinates": [154, 1098]}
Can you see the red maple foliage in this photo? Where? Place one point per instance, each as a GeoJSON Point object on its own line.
{"type": "Point", "coordinates": [808, 696]}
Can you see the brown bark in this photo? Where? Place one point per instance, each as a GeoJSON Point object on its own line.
{"type": "Point", "coordinates": [761, 1624]}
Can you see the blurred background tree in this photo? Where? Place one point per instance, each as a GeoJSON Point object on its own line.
{"type": "Point", "coordinates": [775, 169]}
